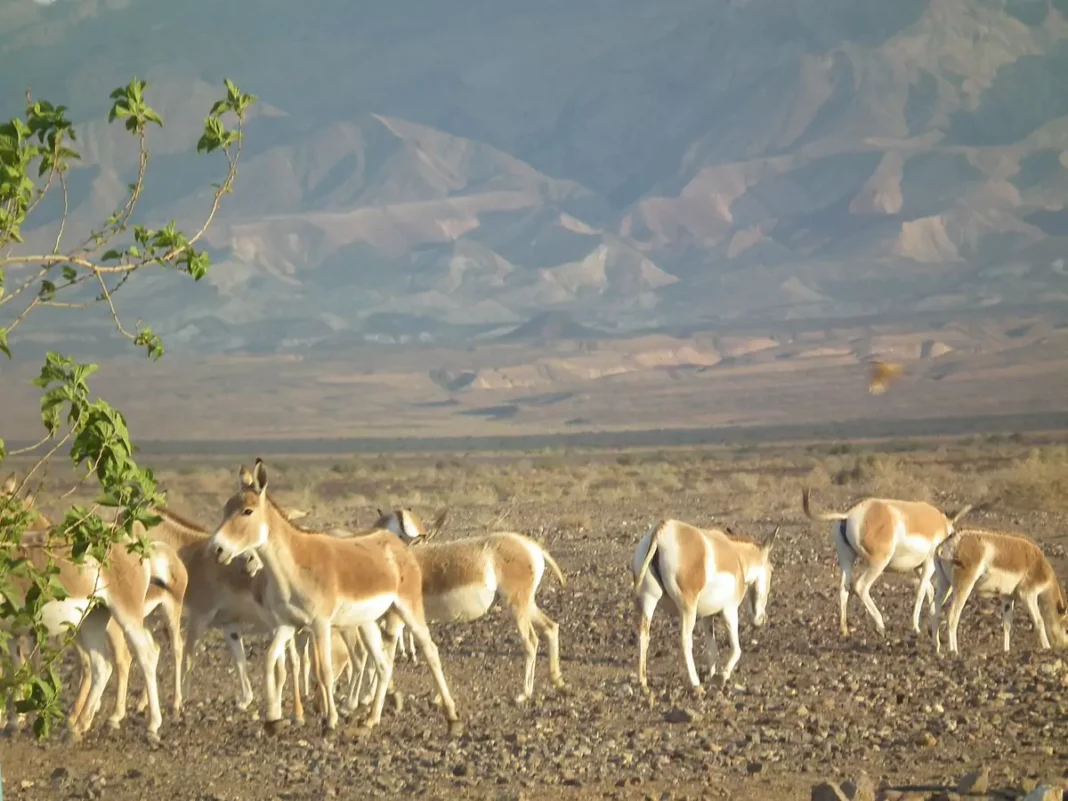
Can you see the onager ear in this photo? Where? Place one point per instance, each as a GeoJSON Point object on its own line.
{"type": "Point", "coordinates": [439, 522]}
{"type": "Point", "coordinates": [771, 540]}
{"type": "Point", "coordinates": [9, 485]}
{"type": "Point", "coordinates": [260, 475]}
{"type": "Point", "coordinates": [294, 514]}
{"type": "Point", "coordinates": [967, 508]}
{"type": "Point", "coordinates": [244, 479]}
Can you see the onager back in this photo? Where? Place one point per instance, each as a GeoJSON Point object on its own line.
{"type": "Point", "coordinates": [699, 573]}
{"type": "Point", "coordinates": [879, 534]}
{"type": "Point", "coordinates": [1006, 565]}
{"type": "Point", "coordinates": [316, 580]}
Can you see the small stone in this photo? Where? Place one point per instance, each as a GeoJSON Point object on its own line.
{"type": "Point", "coordinates": [26, 784]}
{"type": "Point", "coordinates": [827, 791]}
{"type": "Point", "coordinates": [754, 768]}
{"type": "Point", "coordinates": [459, 769]}
{"type": "Point", "coordinates": [679, 715]}
{"type": "Point", "coordinates": [1044, 792]}
{"type": "Point", "coordinates": [978, 781]}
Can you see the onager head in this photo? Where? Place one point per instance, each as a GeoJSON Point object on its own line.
{"type": "Point", "coordinates": [246, 517]}
{"type": "Point", "coordinates": [407, 526]}
{"type": "Point", "coordinates": [762, 584]}
{"type": "Point", "coordinates": [756, 561]}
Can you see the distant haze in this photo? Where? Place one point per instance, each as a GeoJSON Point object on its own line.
{"type": "Point", "coordinates": [432, 175]}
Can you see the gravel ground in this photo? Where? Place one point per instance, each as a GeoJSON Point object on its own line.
{"type": "Point", "coordinates": [804, 705]}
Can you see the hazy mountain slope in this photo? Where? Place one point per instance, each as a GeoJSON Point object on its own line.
{"type": "Point", "coordinates": [634, 164]}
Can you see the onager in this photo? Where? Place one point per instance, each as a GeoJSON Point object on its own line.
{"type": "Point", "coordinates": [699, 573]}
{"type": "Point", "coordinates": [123, 587]}
{"type": "Point", "coordinates": [877, 535]}
{"type": "Point", "coordinates": [462, 578]}
{"type": "Point", "coordinates": [221, 596]}
{"type": "Point", "coordinates": [994, 563]}
{"type": "Point", "coordinates": [320, 581]}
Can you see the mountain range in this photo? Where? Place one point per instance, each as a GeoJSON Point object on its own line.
{"type": "Point", "coordinates": [434, 175]}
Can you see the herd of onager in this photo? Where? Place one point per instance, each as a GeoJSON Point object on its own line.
{"type": "Point", "coordinates": [334, 600]}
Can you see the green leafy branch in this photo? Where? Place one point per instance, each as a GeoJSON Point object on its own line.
{"type": "Point", "coordinates": [36, 153]}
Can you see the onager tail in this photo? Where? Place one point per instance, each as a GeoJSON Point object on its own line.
{"type": "Point", "coordinates": [653, 544]}
{"type": "Point", "coordinates": [822, 515]}
{"type": "Point", "coordinates": [553, 566]}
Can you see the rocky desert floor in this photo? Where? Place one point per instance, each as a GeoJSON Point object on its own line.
{"type": "Point", "coordinates": [805, 705]}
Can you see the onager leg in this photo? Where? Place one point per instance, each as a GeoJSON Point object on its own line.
{"type": "Point", "coordinates": [646, 606]}
{"type": "Point", "coordinates": [846, 560]}
{"type": "Point", "coordinates": [551, 630]}
{"type": "Point", "coordinates": [232, 634]}
{"type": "Point", "coordinates": [298, 702]}
{"type": "Point", "coordinates": [711, 647]}
{"type": "Point", "coordinates": [321, 636]}
{"type": "Point", "coordinates": [274, 698]}
{"type": "Point", "coordinates": [730, 617]}
{"type": "Point", "coordinates": [94, 635]}
{"type": "Point", "coordinates": [943, 587]}
{"type": "Point", "coordinates": [86, 668]}
{"type": "Point", "coordinates": [687, 621]}
{"type": "Point", "coordinates": [530, 644]}
{"type": "Point", "coordinates": [133, 626]}
{"type": "Point", "coordinates": [120, 656]}
{"type": "Point", "coordinates": [926, 572]}
{"type": "Point", "coordinates": [960, 597]}
{"type": "Point", "coordinates": [1007, 609]}
{"type": "Point", "coordinates": [866, 578]}
{"type": "Point", "coordinates": [1031, 602]}
{"type": "Point", "coordinates": [414, 620]}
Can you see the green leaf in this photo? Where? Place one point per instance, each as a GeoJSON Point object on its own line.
{"type": "Point", "coordinates": [3, 343]}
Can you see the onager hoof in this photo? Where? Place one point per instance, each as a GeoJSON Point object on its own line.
{"type": "Point", "coordinates": [115, 723]}
{"type": "Point", "coordinates": [456, 728]}
{"type": "Point", "coordinates": [521, 699]}
{"type": "Point", "coordinates": [398, 702]}
{"type": "Point", "coordinates": [369, 722]}
{"type": "Point", "coordinates": [272, 727]}
{"type": "Point", "coordinates": [698, 691]}
{"type": "Point", "coordinates": [154, 738]}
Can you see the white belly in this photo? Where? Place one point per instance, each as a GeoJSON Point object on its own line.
{"type": "Point", "coordinates": [720, 591]}
{"type": "Point", "coordinates": [57, 614]}
{"type": "Point", "coordinates": [997, 582]}
{"type": "Point", "coordinates": [351, 613]}
{"type": "Point", "coordinates": [460, 604]}
{"type": "Point", "coordinates": [910, 553]}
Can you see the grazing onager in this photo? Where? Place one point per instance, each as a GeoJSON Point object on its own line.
{"type": "Point", "coordinates": [316, 580]}
{"type": "Point", "coordinates": [462, 578]}
{"type": "Point", "coordinates": [877, 535]}
{"type": "Point", "coordinates": [994, 563]}
{"type": "Point", "coordinates": [699, 573]}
